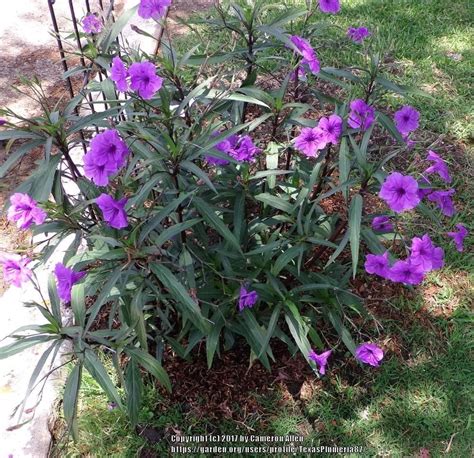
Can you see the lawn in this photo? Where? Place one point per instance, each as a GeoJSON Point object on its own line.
{"type": "Point", "coordinates": [420, 401]}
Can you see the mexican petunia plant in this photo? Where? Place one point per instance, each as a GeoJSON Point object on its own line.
{"type": "Point", "coordinates": [219, 197]}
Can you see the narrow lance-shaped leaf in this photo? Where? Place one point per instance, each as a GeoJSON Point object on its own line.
{"type": "Point", "coordinates": [70, 398]}
{"type": "Point", "coordinates": [134, 387]}
{"type": "Point", "coordinates": [355, 217]}
{"type": "Point", "coordinates": [98, 372]}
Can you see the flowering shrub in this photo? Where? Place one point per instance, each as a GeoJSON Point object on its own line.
{"type": "Point", "coordinates": [202, 199]}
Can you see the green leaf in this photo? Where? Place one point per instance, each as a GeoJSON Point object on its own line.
{"type": "Point", "coordinates": [134, 388]}
{"type": "Point", "coordinates": [344, 165]}
{"type": "Point", "coordinates": [270, 330]}
{"type": "Point", "coordinates": [299, 331]}
{"type": "Point", "coordinates": [285, 258]}
{"type": "Point", "coordinates": [151, 365]}
{"type": "Point", "coordinates": [212, 339]}
{"type": "Point", "coordinates": [98, 372]}
{"type": "Point", "coordinates": [388, 124]}
{"type": "Point", "coordinates": [22, 344]}
{"type": "Point", "coordinates": [341, 330]}
{"type": "Point", "coordinates": [117, 28]}
{"type": "Point", "coordinates": [13, 158]}
{"type": "Point", "coordinates": [103, 296]}
{"type": "Point", "coordinates": [174, 230]}
{"type": "Point", "coordinates": [78, 304]}
{"type": "Point", "coordinates": [355, 218]}
{"type": "Point", "coordinates": [194, 169]}
{"type": "Point", "coordinates": [155, 221]}
{"type": "Point", "coordinates": [70, 398]}
{"type": "Point", "coordinates": [183, 300]}
{"type": "Point", "coordinates": [275, 202]}
{"type": "Point", "coordinates": [217, 223]}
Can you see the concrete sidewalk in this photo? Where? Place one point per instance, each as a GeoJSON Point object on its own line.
{"type": "Point", "coordinates": [29, 49]}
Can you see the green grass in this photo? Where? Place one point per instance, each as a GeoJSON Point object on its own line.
{"type": "Point", "coordinates": [420, 400]}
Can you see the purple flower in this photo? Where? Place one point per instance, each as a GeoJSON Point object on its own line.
{"type": "Point", "coordinates": [425, 254]}
{"type": "Point", "coordinates": [65, 279]}
{"type": "Point", "coordinates": [2, 121]}
{"type": "Point", "coordinates": [25, 211]}
{"type": "Point", "coordinates": [407, 119]}
{"type": "Point", "coordinates": [111, 406]}
{"type": "Point", "coordinates": [247, 299]}
{"type": "Point", "coordinates": [361, 115]}
{"type": "Point", "coordinates": [370, 354]}
{"type": "Point", "coordinates": [377, 264]}
{"type": "Point", "coordinates": [91, 24]}
{"type": "Point", "coordinates": [459, 236]}
{"type": "Point", "coordinates": [105, 157]}
{"type": "Point", "coordinates": [400, 192]}
{"type": "Point", "coordinates": [358, 34]}
{"type": "Point", "coordinates": [382, 224]}
{"type": "Point", "coordinates": [119, 74]}
{"type": "Point", "coordinates": [113, 211]}
{"type": "Point", "coordinates": [331, 128]}
{"type": "Point", "coordinates": [245, 150]}
{"type": "Point", "coordinates": [444, 201]}
{"type": "Point", "coordinates": [144, 80]}
{"type": "Point", "coordinates": [329, 6]}
{"type": "Point", "coordinates": [439, 166]}
{"type": "Point", "coordinates": [98, 173]}
{"type": "Point", "coordinates": [15, 270]}
{"type": "Point", "coordinates": [309, 54]}
{"type": "Point", "coordinates": [321, 360]}
{"type": "Point", "coordinates": [153, 8]}
{"type": "Point", "coordinates": [406, 272]}
{"type": "Point", "coordinates": [423, 192]}
{"type": "Point", "coordinates": [223, 146]}
{"type": "Point", "coordinates": [310, 141]}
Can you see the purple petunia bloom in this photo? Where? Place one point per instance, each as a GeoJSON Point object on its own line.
{"type": "Point", "coordinates": [247, 299]}
{"type": "Point", "coordinates": [2, 121]}
{"type": "Point", "coordinates": [329, 6]}
{"type": "Point", "coordinates": [105, 157]}
{"type": "Point", "coordinates": [407, 119]}
{"type": "Point", "coordinates": [144, 80]}
{"type": "Point", "coordinates": [439, 166]}
{"type": "Point", "coordinates": [377, 264]}
{"type": "Point", "coordinates": [119, 74]}
{"type": "Point", "coordinates": [92, 24]}
{"type": "Point", "coordinates": [444, 201]}
{"type": "Point", "coordinates": [15, 270]}
{"type": "Point", "coordinates": [423, 192]}
{"type": "Point", "coordinates": [65, 279]}
{"type": "Point", "coordinates": [153, 8]}
{"type": "Point", "coordinates": [406, 272]}
{"type": "Point", "coordinates": [245, 150]}
{"type": "Point", "coordinates": [331, 128]}
{"type": "Point", "coordinates": [321, 360]}
{"type": "Point", "coordinates": [400, 192]}
{"type": "Point", "coordinates": [24, 211]}
{"type": "Point", "coordinates": [361, 116]}
{"type": "Point", "coordinates": [309, 54]}
{"type": "Point", "coordinates": [113, 210]}
{"type": "Point", "coordinates": [223, 146]}
{"type": "Point", "coordinates": [425, 254]}
{"type": "Point", "coordinates": [459, 236]}
{"type": "Point", "coordinates": [358, 34]}
{"type": "Point", "coordinates": [370, 354]}
{"type": "Point", "coordinates": [310, 141]}
{"type": "Point", "coordinates": [382, 224]}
